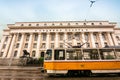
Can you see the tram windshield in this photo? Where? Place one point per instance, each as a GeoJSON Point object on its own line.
{"type": "Point", "coordinates": [48, 55]}
{"type": "Point", "coordinates": [107, 54]}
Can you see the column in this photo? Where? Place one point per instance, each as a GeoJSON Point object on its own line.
{"type": "Point", "coordinates": [56, 41]}
{"type": "Point", "coordinates": [38, 46]}
{"type": "Point", "coordinates": [48, 41]}
{"type": "Point", "coordinates": [21, 46]}
{"type": "Point", "coordinates": [30, 42]}
{"type": "Point", "coordinates": [7, 46]}
{"type": "Point", "coordinates": [2, 42]}
{"type": "Point", "coordinates": [92, 40]}
{"type": "Point", "coordinates": [101, 40]}
{"type": "Point", "coordinates": [65, 40]}
{"type": "Point", "coordinates": [114, 39]}
{"type": "Point", "coordinates": [110, 39]}
{"type": "Point", "coordinates": [11, 50]}
{"type": "Point", "coordinates": [83, 40]}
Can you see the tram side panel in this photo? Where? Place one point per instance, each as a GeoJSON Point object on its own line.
{"type": "Point", "coordinates": [90, 61]}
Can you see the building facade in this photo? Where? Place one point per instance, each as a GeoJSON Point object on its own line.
{"type": "Point", "coordinates": [37, 37]}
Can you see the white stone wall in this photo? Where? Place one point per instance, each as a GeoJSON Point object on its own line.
{"type": "Point", "coordinates": [65, 27]}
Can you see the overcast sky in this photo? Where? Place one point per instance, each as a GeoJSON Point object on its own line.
{"type": "Point", "coordinates": [12, 11]}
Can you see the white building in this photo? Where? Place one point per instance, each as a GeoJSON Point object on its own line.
{"type": "Point", "coordinates": [36, 37]}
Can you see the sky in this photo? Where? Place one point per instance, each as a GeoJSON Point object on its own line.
{"type": "Point", "coordinates": [12, 11]}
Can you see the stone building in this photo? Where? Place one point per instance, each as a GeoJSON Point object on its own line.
{"type": "Point", "coordinates": [36, 37]}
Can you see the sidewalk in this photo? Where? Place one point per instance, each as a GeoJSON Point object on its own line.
{"type": "Point", "coordinates": [20, 68]}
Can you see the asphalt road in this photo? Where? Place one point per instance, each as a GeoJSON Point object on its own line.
{"type": "Point", "coordinates": [29, 73]}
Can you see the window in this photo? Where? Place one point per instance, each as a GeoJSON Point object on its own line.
{"type": "Point", "coordinates": [17, 45]}
{"type": "Point", "coordinates": [35, 37]}
{"type": "Point", "coordinates": [35, 45]}
{"type": "Point", "coordinates": [106, 45]}
{"type": "Point", "coordinates": [37, 24]}
{"type": "Point", "coordinates": [103, 36]}
{"type": "Point", "coordinates": [68, 23]}
{"type": "Point", "coordinates": [100, 23]}
{"type": "Point", "coordinates": [59, 54]}
{"type": "Point", "coordinates": [44, 37]}
{"type": "Point", "coordinates": [6, 39]}
{"type": "Point", "coordinates": [76, 23]}
{"type": "Point", "coordinates": [73, 54]}
{"type": "Point", "coordinates": [86, 37]}
{"type": "Point", "coordinates": [84, 23]}
{"type": "Point", "coordinates": [61, 37]}
{"type": "Point", "coordinates": [33, 53]}
{"type": "Point", "coordinates": [96, 45]}
{"type": "Point", "coordinates": [88, 45]}
{"type": "Point", "coordinates": [4, 45]}
{"type": "Point", "coordinates": [117, 53]}
{"type": "Point", "coordinates": [52, 37]}
{"type": "Point", "coordinates": [19, 37]}
{"type": "Point", "coordinates": [95, 37]}
{"type": "Point", "coordinates": [107, 54]}
{"type": "Point", "coordinates": [61, 45]}
{"type": "Point", "coordinates": [119, 44]}
{"type": "Point", "coordinates": [92, 23]}
{"type": "Point", "coordinates": [90, 54]}
{"type": "Point", "coordinates": [27, 37]}
{"type": "Point", "coordinates": [52, 45]}
{"type": "Point", "coordinates": [53, 24]}
{"type": "Point", "coordinates": [15, 54]}
{"type": "Point", "coordinates": [43, 45]}
{"type": "Point", "coordinates": [61, 24]}
{"type": "Point", "coordinates": [45, 24]}
{"type": "Point", "coordinates": [78, 44]}
{"type": "Point", "coordinates": [77, 36]}
{"type": "Point", "coordinates": [22, 24]}
{"type": "Point", "coordinates": [48, 55]}
{"type": "Point", "coordinates": [29, 24]}
{"type": "Point", "coordinates": [117, 37]}
{"type": "Point", "coordinates": [1, 54]}
{"type": "Point", "coordinates": [70, 36]}
{"type": "Point", "coordinates": [26, 45]}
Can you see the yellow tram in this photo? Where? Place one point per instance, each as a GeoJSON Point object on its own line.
{"type": "Point", "coordinates": [82, 61]}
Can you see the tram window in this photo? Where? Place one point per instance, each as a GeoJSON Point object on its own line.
{"type": "Point", "coordinates": [48, 55]}
{"type": "Point", "coordinates": [117, 53]}
{"type": "Point", "coordinates": [59, 54]}
{"type": "Point", "coordinates": [74, 54]}
{"type": "Point", "coordinates": [91, 54]}
{"type": "Point", "coordinates": [107, 54]}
